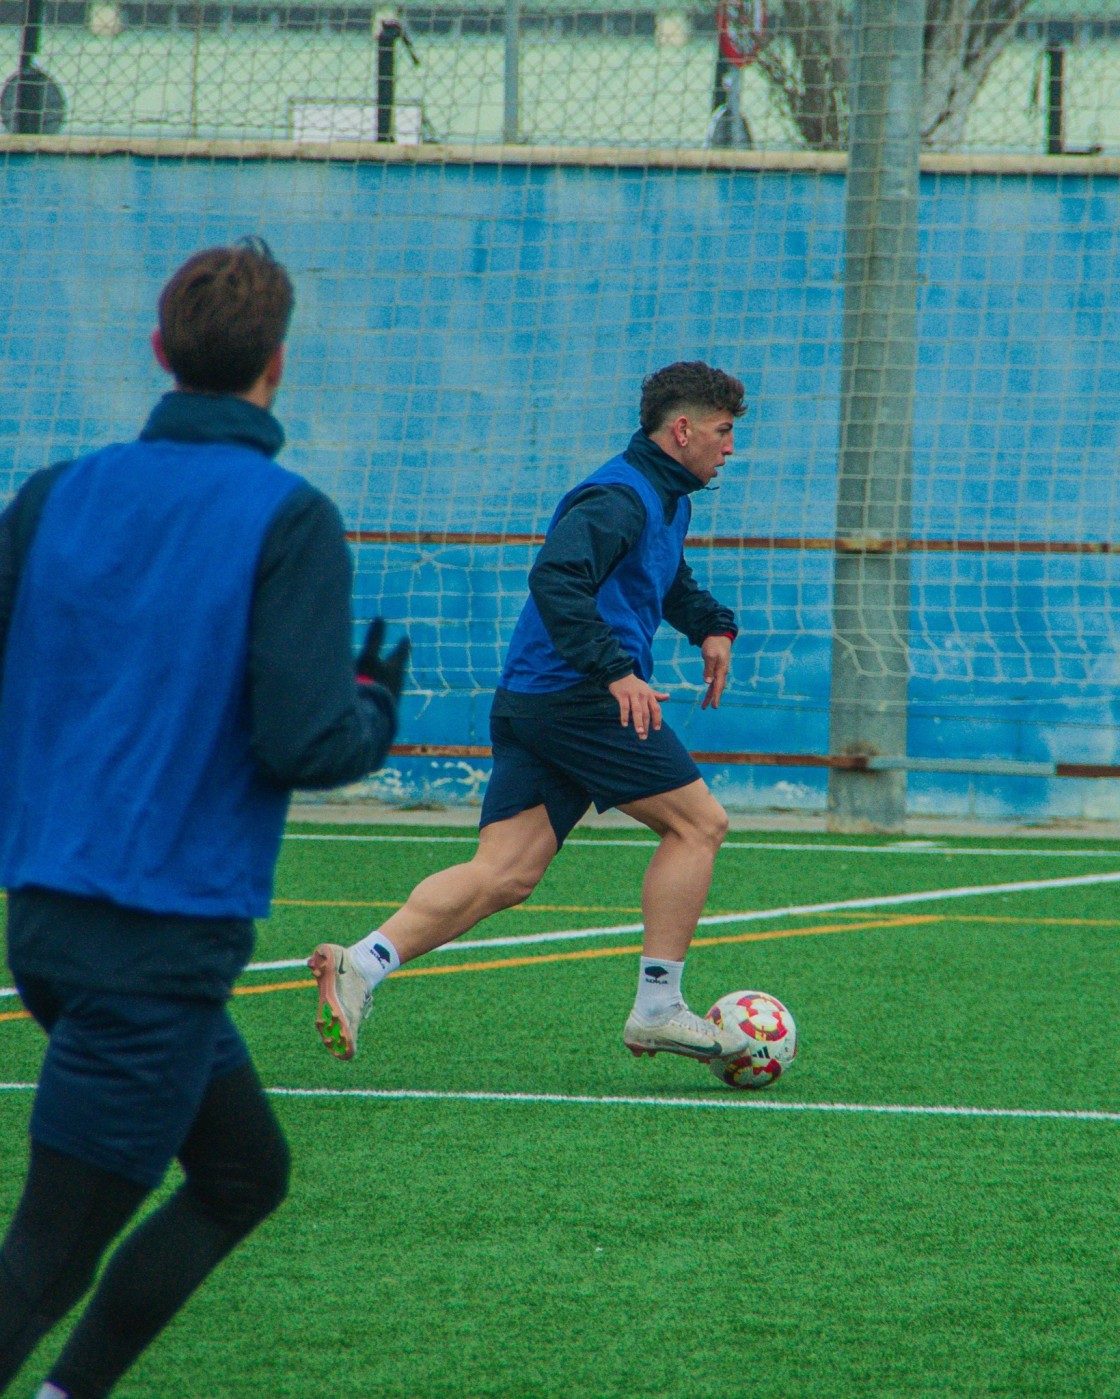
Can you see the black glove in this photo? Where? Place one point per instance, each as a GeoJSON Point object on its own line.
{"type": "Point", "coordinates": [389, 672]}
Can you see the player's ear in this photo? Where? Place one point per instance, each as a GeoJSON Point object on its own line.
{"type": "Point", "coordinates": [679, 429]}
{"type": "Point", "coordinates": [159, 352]}
{"type": "Point", "coordinates": [274, 369]}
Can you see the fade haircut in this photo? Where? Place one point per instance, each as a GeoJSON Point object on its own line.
{"type": "Point", "coordinates": [688, 384]}
{"type": "Point", "coordinates": [223, 316]}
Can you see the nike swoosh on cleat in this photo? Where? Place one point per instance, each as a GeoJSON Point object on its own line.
{"type": "Point", "coordinates": [667, 1046]}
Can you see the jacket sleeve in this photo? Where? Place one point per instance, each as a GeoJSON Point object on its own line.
{"type": "Point", "coordinates": [694, 611]}
{"type": "Point", "coordinates": [582, 549]}
{"type": "Point", "coordinates": [17, 529]}
{"type": "Point", "coordinates": [313, 724]}
{"type": "Point", "coordinates": [9, 570]}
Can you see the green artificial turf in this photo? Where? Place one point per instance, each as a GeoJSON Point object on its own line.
{"type": "Point", "coordinates": [695, 1241]}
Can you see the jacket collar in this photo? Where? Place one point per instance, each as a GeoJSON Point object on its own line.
{"type": "Point", "coordinates": [668, 478]}
{"type": "Point", "coordinates": [212, 417]}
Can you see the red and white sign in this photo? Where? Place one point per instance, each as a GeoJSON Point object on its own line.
{"type": "Point", "coordinates": [742, 30]}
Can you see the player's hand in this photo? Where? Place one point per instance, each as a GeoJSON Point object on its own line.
{"type": "Point", "coordinates": [389, 670]}
{"type": "Point", "coordinates": [716, 651]}
{"type": "Point", "coordinates": [638, 702]}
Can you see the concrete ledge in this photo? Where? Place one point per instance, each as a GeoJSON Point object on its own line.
{"type": "Point", "coordinates": [365, 813]}
{"type": "Point", "coordinates": [612, 157]}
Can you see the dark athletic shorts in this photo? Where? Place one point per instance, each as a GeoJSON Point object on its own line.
{"type": "Point", "coordinates": [567, 759]}
{"type": "Point", "coordinates": [124, 1075]}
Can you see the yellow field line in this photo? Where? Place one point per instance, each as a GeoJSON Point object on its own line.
{"type": "Point", "coordinates": [629, 908]}
{"type": "Point", "coordinates": [338, 903]}
{"type": "Point", "coordinates": [566, 908]}
{"type": "Point", "coordinates": [1049, 922]}
{"type": "Point", "coordinates": [275, 986]}
{"type": "Point", "coordinates": [592, 953]}
{"type": "Point", "coordinates": [522, 908]}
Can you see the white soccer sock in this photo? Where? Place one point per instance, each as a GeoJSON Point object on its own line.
{"type": "Point", "coordinates": [659, 988]}
{"type": "Point", "coordinates": [375, 957]}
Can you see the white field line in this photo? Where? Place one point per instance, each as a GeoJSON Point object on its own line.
{"type": "Point", "coordinates": [729, 1103]}
{"type": "Point", "coordinates": [756, 915]}
{"type": "Point", "coordinates": [753, 916]}
{"type": "Point", "coordinates": [903, 848]}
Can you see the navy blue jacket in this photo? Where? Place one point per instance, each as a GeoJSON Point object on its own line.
{"type": "Point", "coordinates": [597, 530]}
{"type": "Point", "coordinates": [287, 712]}
{"type": "Point", "coordinates": [629, 601]}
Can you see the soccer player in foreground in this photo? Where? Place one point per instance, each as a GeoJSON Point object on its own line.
{"type": "Point", "coordinates": [175, 637]}
{"type": "Point", "coordinates": [575, 720]}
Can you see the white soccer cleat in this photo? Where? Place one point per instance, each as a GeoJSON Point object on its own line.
{"type": "Point", "coordinates": [683, 1032]}
{"type": "Point", "coordinates": [344, 999]}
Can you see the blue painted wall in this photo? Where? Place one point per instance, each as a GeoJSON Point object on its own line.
{"type": "Point", "coordinates": [471, 340]}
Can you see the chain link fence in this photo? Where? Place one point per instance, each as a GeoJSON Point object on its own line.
{"type": "Point", "coordinates": [568, 199]}
{"type": "Point", "coordinates": [1010, 76]}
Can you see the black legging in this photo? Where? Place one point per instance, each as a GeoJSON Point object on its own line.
{"type": "Point", "coordinates": [235, 1161]}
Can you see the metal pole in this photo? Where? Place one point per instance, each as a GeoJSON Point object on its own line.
{"type": "Point", "coordinates": [871, 601]}
{"type": "Point", "coordinates": [511, 116]}
{"type": "Point", "coordinates": [737, 131]}
{"type": "Point", "coordinates": [30, 86]}
{"type": "Point", "coordinates": [387, 37]}
{"type": "Point", "coordinates": [1055, 99]}
{"type": "Point", "coordinates": [196, 56]}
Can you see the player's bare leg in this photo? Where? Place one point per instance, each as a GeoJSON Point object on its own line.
{"type": "Point", "coordinates": [507, 866]}
{"type": "Point", "coordinates": [505, 869]}
{"type": "Point", "coordinates": [692, 826]}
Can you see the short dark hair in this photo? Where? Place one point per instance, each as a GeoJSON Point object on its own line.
{"type": "Point", "coordinates": [223, 316]}
{"type": "Point", "coordinates": [688, 384]}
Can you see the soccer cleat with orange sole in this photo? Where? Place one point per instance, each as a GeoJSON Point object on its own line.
{"type": "Point", "coordinates": [344, 999]}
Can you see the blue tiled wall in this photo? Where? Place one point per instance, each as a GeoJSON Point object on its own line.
{"type": "Point", "coordinates": [471, 340]}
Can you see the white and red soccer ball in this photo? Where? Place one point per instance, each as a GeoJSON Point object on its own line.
{"type": "Point", "coordinates": [772, 1039]}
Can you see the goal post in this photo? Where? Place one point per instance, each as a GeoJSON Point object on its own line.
{"type": "Point", "coordinates": [871, 578]}
{"type": "Point", "coordinates": [475, 315]}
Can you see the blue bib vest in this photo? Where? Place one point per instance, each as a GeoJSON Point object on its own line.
{"type": "Point", "coordinates": [125, 765]}
{"type": "Point", "coordinates": [630, 600]}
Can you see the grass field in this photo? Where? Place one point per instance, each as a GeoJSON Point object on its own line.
{"type": "Point", "coordinates": [495, 1199]}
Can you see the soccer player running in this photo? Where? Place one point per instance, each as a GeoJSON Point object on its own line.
{"type": "Point", "coordinates": [175, 638]}
{"type": "Point", "coordinates": [575, 720]}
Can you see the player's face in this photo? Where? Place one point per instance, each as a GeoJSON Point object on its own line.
{"type": "Point", "coordinates": [709, 441]}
